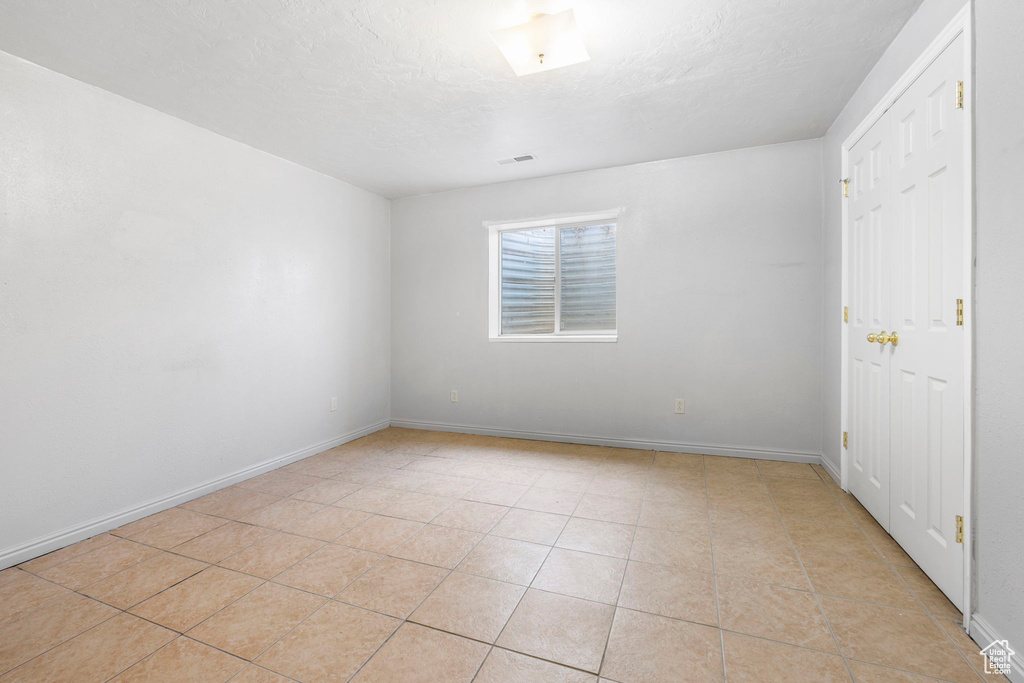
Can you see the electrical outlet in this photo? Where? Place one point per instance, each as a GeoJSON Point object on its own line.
{"type": "Point", "coordinates": [680, 408]}
{"type": "Point", "coordinates": [455, 396]}
{"type": "Point", "coordinates": [334, 403]}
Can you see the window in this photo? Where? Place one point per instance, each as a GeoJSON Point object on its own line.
{"type": "Point", "coordinates": [553, 280]}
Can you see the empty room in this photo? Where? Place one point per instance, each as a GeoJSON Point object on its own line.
{"type": "Point", "coordinates": [511, 341]}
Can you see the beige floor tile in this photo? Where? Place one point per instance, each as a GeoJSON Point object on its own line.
{"type": "Point", "coordinates": [608, 509]}
{"type": "Point", "coordinates": [379, 534]}
{"type": "Point", "coordinates": [968, 648]}
{"type": "Point", "coordinates": [592, 536]}
{"type": "Point", "coordinates": [856, 580]}
{"type": "Point", "coordinates": [774, 468]}
{"type": "Point", "coordinates": [749, 527]}
{"type": "Point", "coordinates": [87, 569]}
{"type": "Point", "coordinates": [503, 666]}
{"type": "Point", "coordinates": [752, 660]}
{"type": "Point", "coordinates": [718, 464]}
{"type": "Point", "coordinates": [560, 629]}
{"type": "Point", "coordinates": [21, 592]}
{"type": "Point", "coordinates": [775, 564]}
{"type": "Point", "coordinates": [256, 621]}
{"type": "Point", "coordinates": [327, 492]}
{"type": "Point", "coordinates": [369, 499]}
{"type": "Point", "coordinates": [183, 606]}
{"type": "Point", "coordinates": [823, 510]}
{"type": "Point", "coordinates": [139, 525]}
{"type": "Point", "coordinates": [448, 486]}
{"type": "Point", "coordinates": [281, 514]}
{"type": "Point", "coordinates": [330, 645]}
{"type": "Point", "coordinates": [689, 519]}
{"type": "Point", "coordinates": [738, 501]}
{"type": "Point", "coordinates": [144, 580]}
{"type": "Point", "coordinates": [230, 502]}
{"type": "Point", "coordinates": [279, 483]}
{"type": "Point", "coordinates": [670, 592]}
{"type": "Point", "coordinates": [183, 660]}
{"type": "Point", "coordinates": [222, 542]}
{"type": "Point", "coordinates": [825, 539]}
{"type": "Point", "coordinates": [530, 526]}
{"type": "Point", "coordinates": [419, 507]}
{"type": "Point", "coordinates": [429, 463]}
{"type": "Point", "coordinates": [809, 488]}
{"type": "Point", "coordinates": [184, 526]}
{"type": "Point", "coordinates": [554, 501]}
{"type": "Point", "coordinates": [56, 621]}
{"type": "Point", "coordinates": [328, 570]}
{"type": "Point", "coordinates": [672, 549]}
{"type": "Point", "coordinates": [505, 559]}
{"type": "Point", "coordinates": [272, 555]}
{"type": "Point", "coordinates": [256, 674]}
{"type": "Point", "coordinates": [672, 493]}
{"type": "Point", "coordinates": [619, 486]}
{"type": "Point", "coordinates": [438, 546]}
{"type": "Point", "coordinates": [471, 516]}
{"type": "Point", "coordinates": [905, 640]}
{"type": "Point", "coordinates": [469, 606]}
{"type": "Point", "coordinates": [405, 479]}
{"type": "Point", "coordinates": [565, 481]}
{"type": "Point", "coordinates": [646, 648]}
{"type": "Point", "coordinates": [928, 593]}
{"type": "Point", "coordinates": [870, 673]}
{"type": "Point", "coordinates": [363, 474]}
{"type": "Point", "coordinates": [581, 575]}
{"type": "Point", "coordinates": [96, 655]}
{"type": "Point", "coordinates": [64, 554]}
{"type": "Point", "coordinates": [328, 523]}
{"type": "Point", "coordinates": [495, 493]}
{"type": "Point", "coordinates": [394, 587]}
{"type": "Point", "coordinates": [416, 654]}
{"type": "Point", "coordinates": [887, 547]}
{"type": "Point", "coordinates": [773, 612]}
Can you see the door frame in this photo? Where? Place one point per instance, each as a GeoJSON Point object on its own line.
{"type": "Point", "coordinates": [962, 24]}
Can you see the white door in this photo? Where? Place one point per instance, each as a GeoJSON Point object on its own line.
{"type": "Point", "coordinates": [869, 287]}
{"type": "Point", "coordinates": [907, 223]}
{"type": "Point", "coordinates": [927, 371]}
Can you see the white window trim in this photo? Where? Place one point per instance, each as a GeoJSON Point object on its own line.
{"type": "Point", "coordinates": [494, 230]}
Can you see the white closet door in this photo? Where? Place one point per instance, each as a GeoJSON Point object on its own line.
{"type": "Point", "coordinates": [869, 290]}
{"type": "Point", "coordinates": [927, 367]}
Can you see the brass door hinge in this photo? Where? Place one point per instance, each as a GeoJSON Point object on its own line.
{"type": "Point", "coordinates": [846, 314]}
{"type": "Point", "coordinates": [959, 529]}
{"type": "Point", "coordinates": [960, 312]}
{"type": "Point", "coordinates": [846, 440]}
{"type": "Point", "coordinates": [959, 94]}
{"type": "Point", "coordinates": [846, 186]}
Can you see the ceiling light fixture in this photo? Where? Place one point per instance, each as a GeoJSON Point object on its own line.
{"type": "Point", "coordinates": [545, 42]}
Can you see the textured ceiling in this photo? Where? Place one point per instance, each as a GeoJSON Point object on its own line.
{"type": "Point", "coordinates": [410, 96]}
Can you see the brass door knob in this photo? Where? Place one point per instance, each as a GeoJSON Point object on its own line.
{"type": "Point", "coordinates": [883, 338]}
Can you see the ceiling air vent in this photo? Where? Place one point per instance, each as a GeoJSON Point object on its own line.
{"type": "Point", "coordinates": [516, 160]}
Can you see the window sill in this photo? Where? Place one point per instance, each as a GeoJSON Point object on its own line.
{"type": "Point", "coordinates": [541, 338]}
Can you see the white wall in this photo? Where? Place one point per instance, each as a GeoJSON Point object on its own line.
{"type": "Point", "coordinates": [174, 307]}
{"type": "Point", "coordinates": [919, 32]}
{"type": "Point", "coordinates": [719, 282]}
{"type": "Point", "coordinates": [999, 380]}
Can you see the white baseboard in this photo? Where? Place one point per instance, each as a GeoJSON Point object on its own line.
{"type": "Point", "coordinates": [983, 633]}
{"type": "Point", "coordinates": [832, 471]}
{"type": "Point", "coordinates": [702, 449]}
{"type": "Point", "coordinates": [40, 546]}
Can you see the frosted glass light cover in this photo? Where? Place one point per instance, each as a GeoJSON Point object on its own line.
{"type": "Point", "coordinates": [555, 36]}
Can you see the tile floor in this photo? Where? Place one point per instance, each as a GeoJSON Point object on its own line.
{"type": "Point", "coordinates": [424, 556]}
